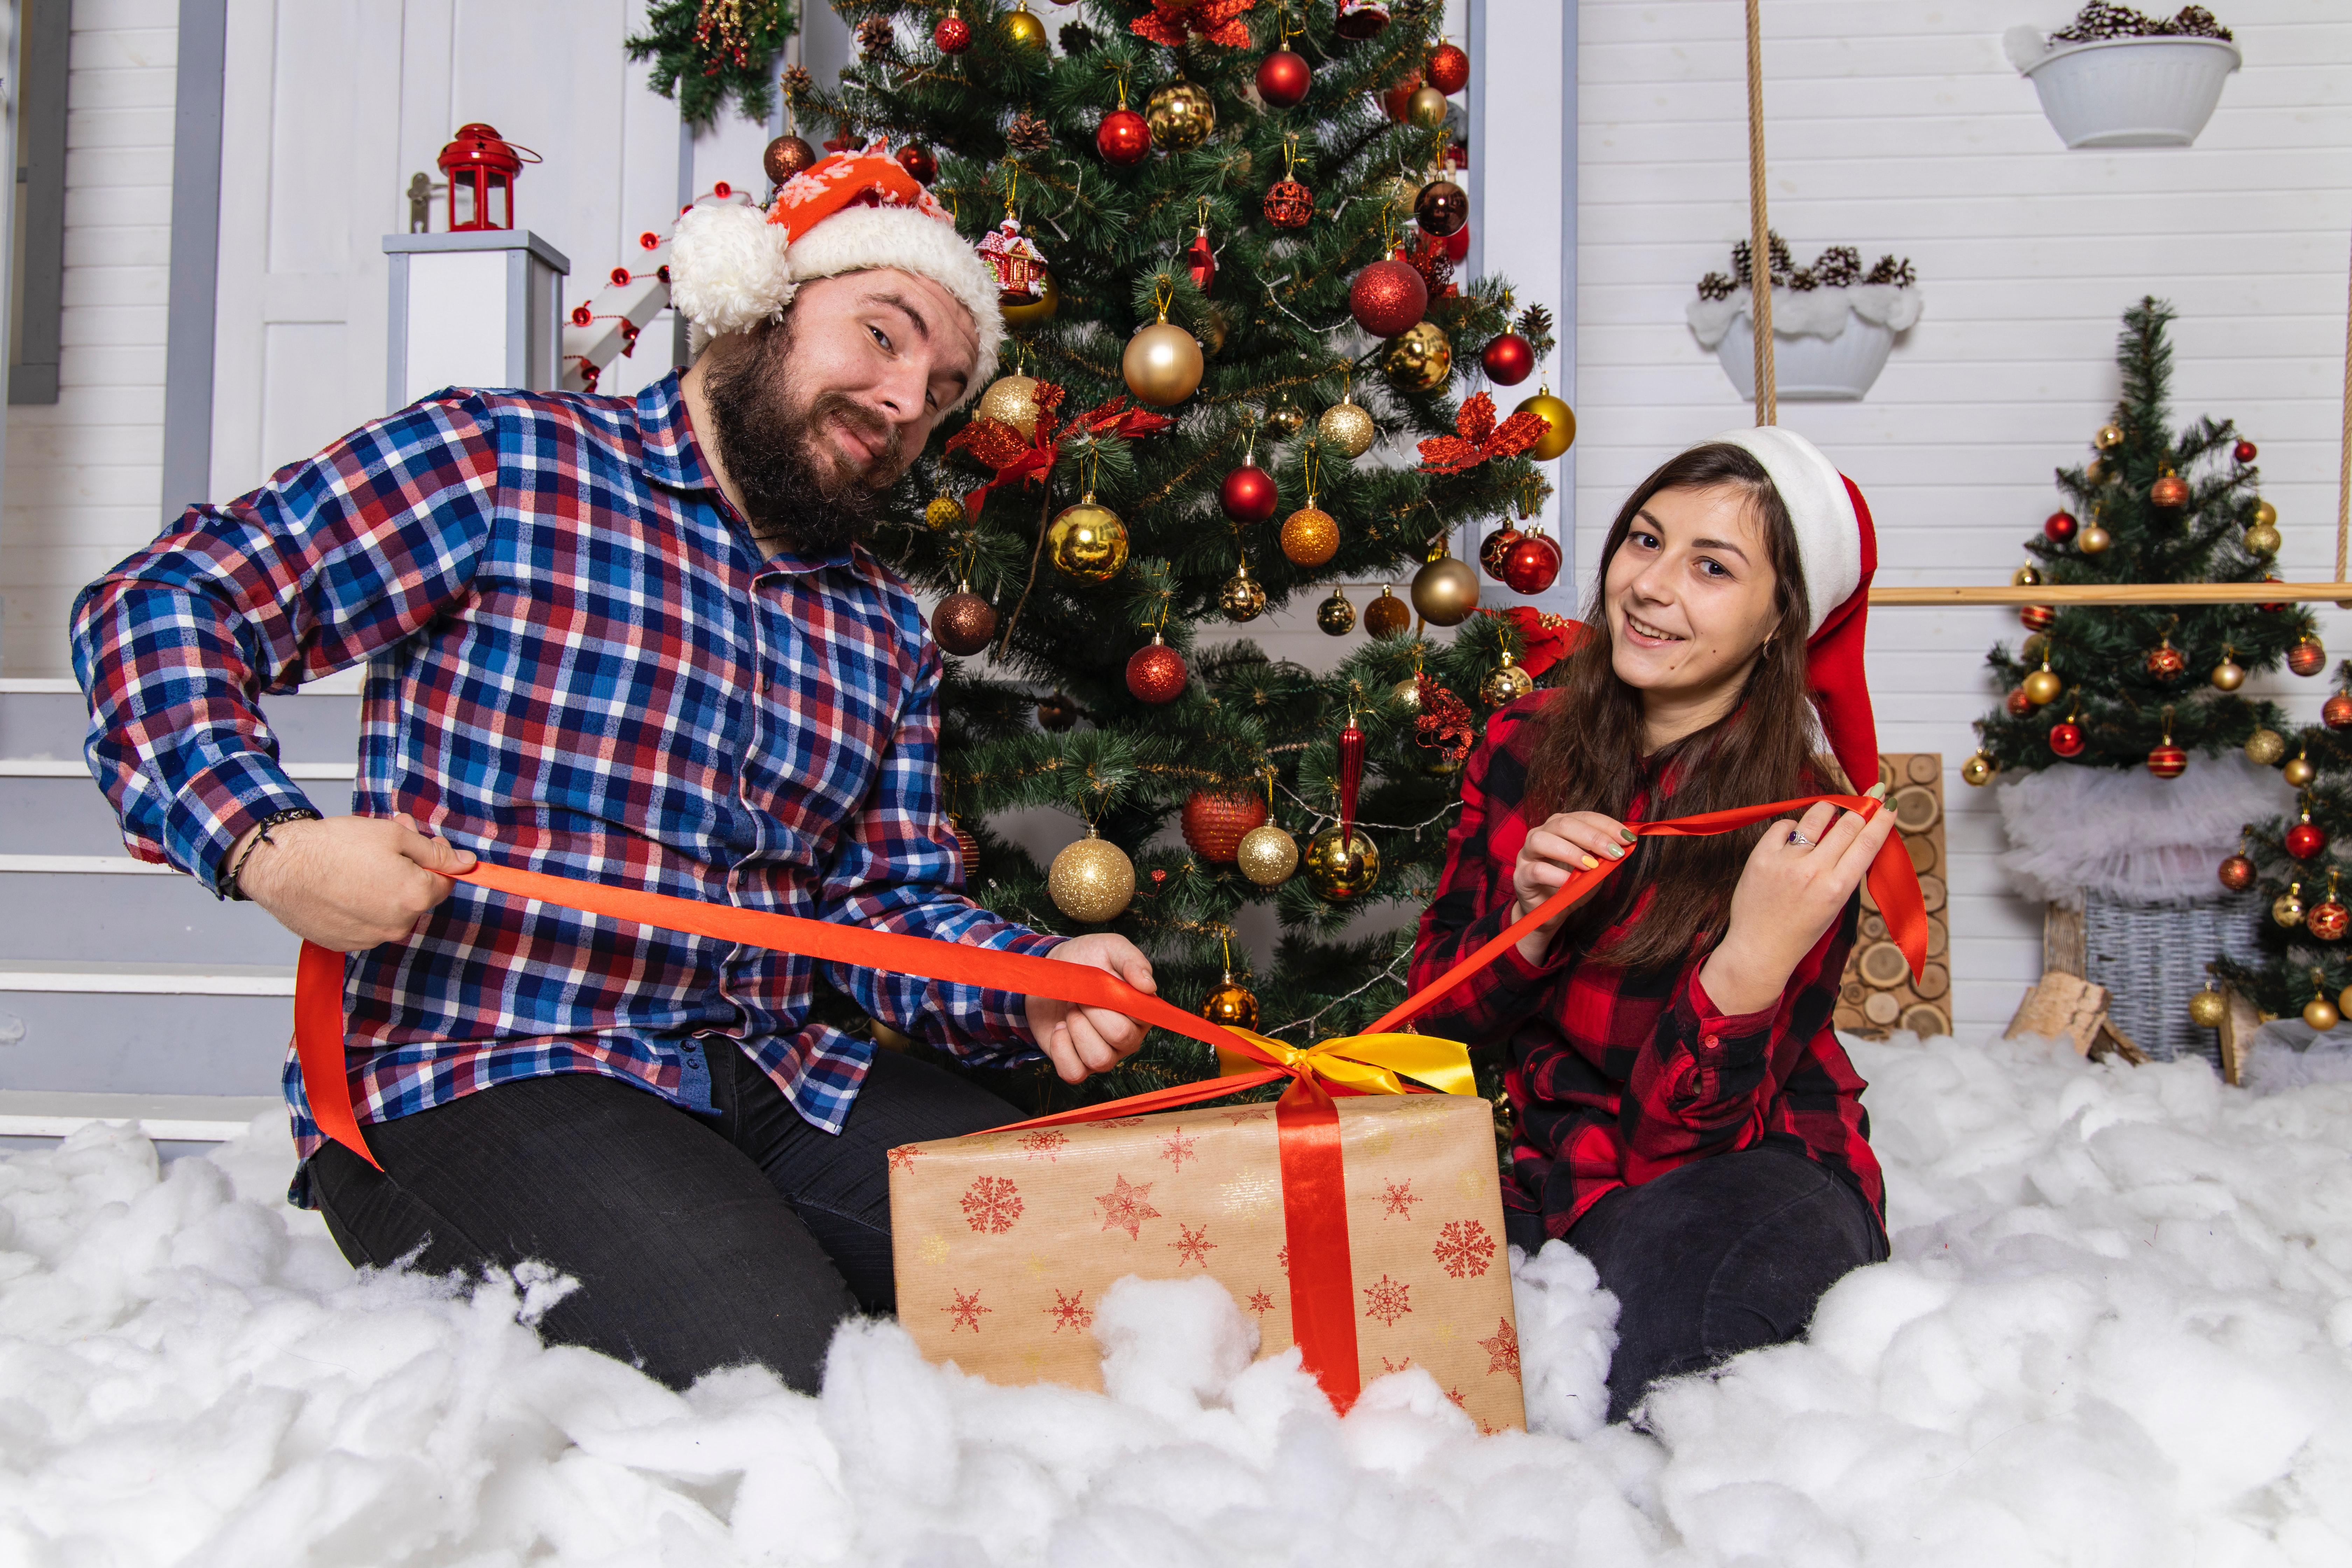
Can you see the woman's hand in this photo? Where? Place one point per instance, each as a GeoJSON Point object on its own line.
{"type": "Point", "coordinates": [1796, 882]}
{"type": "Point", "coordinates": [1565, 845]}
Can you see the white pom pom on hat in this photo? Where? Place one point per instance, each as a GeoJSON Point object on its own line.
{"type": "Point", "coordinates": [727, 267]}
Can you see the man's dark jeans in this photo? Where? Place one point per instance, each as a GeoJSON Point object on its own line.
{"type": "Point", "coordinates": [1714, 1257]}
{"type": "Point", "coordinates": [698, 1241]}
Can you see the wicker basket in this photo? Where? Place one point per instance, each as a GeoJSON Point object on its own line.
{"type": "Point", "coordinates": [2152, 957]}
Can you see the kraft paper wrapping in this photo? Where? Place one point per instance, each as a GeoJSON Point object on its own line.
{"type": "Point", "coordinates": [1005, 1242]}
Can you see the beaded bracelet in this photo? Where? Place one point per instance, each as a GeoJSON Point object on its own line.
{"type": "Point", "coordinates": [261, 836]}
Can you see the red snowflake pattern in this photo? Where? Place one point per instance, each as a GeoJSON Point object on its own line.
{"type": "Point", "coordinates": [1194, 1246]}
{"type": "Point", "coordinates": [1388, 1366]}
{"type": "Point", "coordinates": [1125, 1122]}
{"type": "Point", "coordinates": [1126, 1206]}
{"type": "Point", "coordinates": [1399, 1199]}
{"type": "Point", "coordinates": [1261, 1303]}
{"type": "Point", "coordinates": [1046, 1143]}
{"type": "Point", "coordinates": [1388, 1300]}
{"type": "Point", "coordinates": [1176, 1148]}
{"type": "Point", "coordinates": [1283, 1257]}
{"type": "Point", "coordinates": [1455, 1394]}
{"type": "Point", "coordinates": [1069, 1311]}
{"type": "Point", "coordinates": [903, 1157]}
{"type": "Point", "coordinates": [1503, 1350]}
{"type": "Point", "coordinates": [1238, 1117]}
{"type": "Point", "coordinates": [1465, 1249]}
{"type": "Point", "coordinates": [965, 1311]}
{"type": "Point", "coordinates": [991, 1204]}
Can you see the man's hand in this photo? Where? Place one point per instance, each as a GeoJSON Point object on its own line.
{"type": "Point", "coordinates": [351, 882]}
{"type": "Point", "coordinates": [1083, 1040]}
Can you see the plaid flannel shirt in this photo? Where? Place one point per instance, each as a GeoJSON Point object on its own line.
{"type": "Point", "coordinates": [576, 663]}
{"type": "Point", "coordinates": [1616, 1077]}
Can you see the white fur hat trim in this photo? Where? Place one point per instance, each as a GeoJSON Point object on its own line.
{"type": "Point", "coordinates": [860, 238]}
{"type": "Point", "coordinates": [1829, 534]}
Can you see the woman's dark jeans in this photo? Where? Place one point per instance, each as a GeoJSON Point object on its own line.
{"type": "Point", "coordinates": [698, 1241]}
{"type": "Point", "coordinates": [1714, 1257]}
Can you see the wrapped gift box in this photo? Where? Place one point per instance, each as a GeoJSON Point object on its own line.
{"type": "Point", "coordinates": [1005, 1242]}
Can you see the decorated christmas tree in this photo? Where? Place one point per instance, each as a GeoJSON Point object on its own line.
{"type": "Point", "coordinates": [1241, 372]}
{"type": "Point", "coordinates": [2145, 685]}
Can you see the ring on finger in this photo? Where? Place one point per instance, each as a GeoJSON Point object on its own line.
{"type": "Point", "coordinates": [1797, 836]}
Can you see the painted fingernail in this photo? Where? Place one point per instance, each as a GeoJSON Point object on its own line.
{"type": "Point", "coordinates": [1626, 834]}
{"type": "Point", "coordinates": [1590, 864]}
{"type": "Point", "coordinates": [1615, 852]}
{"type": "Point", "coordinates": [1875, 792]}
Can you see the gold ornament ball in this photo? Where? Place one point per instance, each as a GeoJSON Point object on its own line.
{"type": "Point", "coordinates": [1560, 416]}
{"type": "Point", "coordinates": [2298, 772]}
{"type": "Point", "coordinates": [1347, 426]}
{"type": "Point", "coordinates": [1162, 364]}
{"type": "Point", "coordinates": [1232, 1005]}
{"type": "Point", "coordinates": [944, 511]}
{"type": "Point", "coordinates": [2109, 438]}
{"type": "Point", "coordinates": [1024, 31]}
{"type": "Point", "coordinates": [1087, 541]}
{"type": "Point", "coordinates": [1445, 590]}
{"type": "Point", "coordinates": [1285, 419]}
{"type": "Point", "coordinates": [1266, 855]}
{"type": "Point", "coordinates": [2321, 1015]}
{"type": "Point", "coordinates": [1425, 109]}
{"type": "Point", "coordinates": [1977, 771]}
{"type": "Point", "coordinates": [1387, 615]}
{"type": "Point", "coordinates": [1091, 881]}
{"type": "Point", "coordinates": [2265, 747]}
{"type": "Point", "coordinates": [1012, 399]}
{"type": "Point", "coordinates": [2263, 540]}
{"type": "Point", "coordinates": [1419, 359]}
{"type": "Point", "coordinates": [2228, 676]}
{"type": "Point", "coordinates": [1242, 596]}
{"type": "Point", "coordinates": [1180, 116]}
{"type": "Point", "coordinates": [1020, 318]}
{"type": "Point", "coordinates": [2265, 514]}
{"type": "Point", "coordinates": [1336, 615]}
{"type": "Point", "coordinates": [2026, 578]}
{"type": "Point", "coordinates": [2287, 909]}
{"type": "Point", "coordinates": [2206, 1008]}
{"type": "Point", "coordinates": [2042, 686]}
{"type": "Point", "coordinates": [1340, 871]}
{"type": "Point", "coordinates": [1406, 694]}
{"type": "Point", "coordinates": [1507, 684]}
{"type": "Point", "coordinates": [2094, 540]}
{"type": "Point", "coordinates": [1310, 536]}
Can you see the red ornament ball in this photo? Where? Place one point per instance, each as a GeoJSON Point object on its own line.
{"type": "Point", "coordinates": [918, 161]}
{"type": "Point", "coordinates": [2066, 740]}
{"type": "Point", "coordinates": [2237, 873]}
{"type": "Point", "coordinates": [2306, 658]}
{"type": "Point", "coordinates": [1495, 549]}
{"type": "Point", "coordinates": [1532, 565]}
{"type": "Point", "coordinates": [1282, 79]}
{"type": "Point", "coordinates": [2243, 451]}
{"type": "Point", "coordinates": [2037, 617]}
{"type": "Point", "coordinates": [1457, 245]}
{"type": "Point", "coordinates": [953, 34]}
{"type": "Point", "coordinates": [964, 623]}
{"type": "Point", "coordinates": [2169, 492]}
{"type": "Point", "coordinates": [2271, 609]}
{"type": "Point", "coordinates": [2328, 920]}
{"type": "Point", "coordinates": [1250, 494]}
{"type": "Point", "coordinates": [2167, 762]}
{"type": "Point", "coordinates": [1156, 673]}
{"type": "Point", "coordinates": [2165, 663]}
{"type": "Point", "coordinates": [1448, 69]}
{"type": "Point", "coordinates": [1396, 98]}
{"type": "Point", "coordinates": [2303, 841]}
{"type": "Point", "coordinates": [2017, 703]}
{"type": "Point", "coordinates": [1213, 823]}
{"type": "Point", "coordinates": [1201, 261]}
{"type": "Point", "coordinates": [1508, 360]}
{"type": "Point", "coordinates": [2337, 712]}
{"type": "Point", "coordinates": [2059, 527]}
{"type": "Point", "coordinates": [1388, 298]}
{"type": "Point", "coordinates": [1289, 205]}
{"type": "Point", "coordinates": [1124, 137]}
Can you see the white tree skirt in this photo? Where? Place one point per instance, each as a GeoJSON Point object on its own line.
{"type": "Point", "coordinates": [2115, 1332]}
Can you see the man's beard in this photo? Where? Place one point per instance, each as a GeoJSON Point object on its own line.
{"type": "Point", "coordinates": [793, 497]}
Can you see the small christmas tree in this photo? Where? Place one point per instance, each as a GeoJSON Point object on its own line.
{"type": "Point", "coordinates": [2130, 686]}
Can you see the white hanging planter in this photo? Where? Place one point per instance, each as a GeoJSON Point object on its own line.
{"type": "Point", "coordinates": [1828, 344]}
{"type": "Point", "coordinates": [2126, 92]}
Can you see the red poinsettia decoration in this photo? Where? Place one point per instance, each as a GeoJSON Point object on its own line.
{"type": "Point", "coordinates": [1445, 723]}
{"type": "Point", "coordinates": [1480, 438]}
{"type": "Point", "coordinates": [1014, 457]}
{"type": "Point", "coordinates": [1216, 21]}
{"type": "Point", "coordinates": [1547, 637]}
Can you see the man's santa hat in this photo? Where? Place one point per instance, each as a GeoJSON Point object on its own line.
{"type": "Point", "coordinates": [732, 267]}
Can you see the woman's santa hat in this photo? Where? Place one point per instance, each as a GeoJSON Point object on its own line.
{"type": "Point", "coordinates": [732, 267]}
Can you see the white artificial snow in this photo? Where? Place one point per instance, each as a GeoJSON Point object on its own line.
{"type": "Point", "coordinates": [2115, 1332]}
{"type": "Point", "coordinates": [2127, 834]}
{"type": "Point", "coordinates": [1812, 312]}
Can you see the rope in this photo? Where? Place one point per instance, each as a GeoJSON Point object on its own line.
{"type": "Point", "coordinates": [2344, 469]}
{"type": "Point", "coordinates": [1760, 256]}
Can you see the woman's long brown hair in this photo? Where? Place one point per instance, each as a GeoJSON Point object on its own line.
{"type": "Point", "coordinates": [1588, 756]}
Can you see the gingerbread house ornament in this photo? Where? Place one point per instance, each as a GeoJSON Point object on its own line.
{"type": "Point", "coordinates": [1019, 265]}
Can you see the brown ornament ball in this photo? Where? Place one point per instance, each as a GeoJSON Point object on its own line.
{"type": "Point", "coordinates": [2321, 1015]}
{"type": "Point", "coordinates": [1156, 673]}
{"type": "Point", "coordinates": [1560, 420]}
{"type": "Point", "coordinates": [1087, 541]}
{"type": "Point", "coordinates": [2263, 540]}
{"type": "Point", "coordinates": [1289, 204]}
{"type": "Point", "coordinates": [2027, 576]}
{"type": "Point", "coordinates": [2337, 712]}
{"type": "Point", "coordinates": [2298, 772]}
{"type": "Point", "coordinates": [785, 157]}
{"type": "Point", "coordinates": [2169, 492]}
{"type": "Point", "coordinates": [1056, 712]}
{"type": "Point", "coordinates": [2208, 1009]}
{"type": "Point", "coordinates": [1336, 617]}
{"type": "Point", "coordinates": [2328, 920]}
{"type": "Point", "coordinates": [2228, 676]}
{"type": "Point", "coordinates": [2264, 748]}
{"type": "Point", "coordinates": [1243, 598]}
{"type": "Point", "coordinates": [1441, 208]}
{"type": "Point", "coordinates": [1213, 823]}
{"type": "Point", "coordinates": [942, 513]}
{"type": "Point", "coordinates": [1444, 592]}
{"type": "Point", "coordinates": [1347, 426]}
{"type": "Point", "coordinates": [1180, 115]}
{"type": "Point", "coordinates": [2237, 873]}
{"type": "Point", "coordinates": [1978, 770]}
{"type": "Point", "coordinates": [2307, 657]}
{"type": "Point", "coordinates": [964, 623]}
{"type": "Point", "coordinates": [1310, 536]}
{"type": "Point", "coordinates": [2287, 908]}
{"type": "Point", "coordinates": [1387, 615]}
{"type": "Point", "coordinates": [1012, 399]}
{"type": "Point", "coordinates": [1162, 364]}
{"type": "Point", "coordinates": [1232, 1005]}
{"type": "Point", "coordinates": [1091, 881]}
{"type": "Point", "coordinates": [1340, 871]}
{"type": "Point", "coordinates": [1285, 419]}
{"type": "Point", "coordinates": [1420, 359]}
{"type": "Point", "coordinates": [1266, 855]}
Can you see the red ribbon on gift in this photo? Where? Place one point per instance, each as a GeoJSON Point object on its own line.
{"type": "Point", "coordinates": [1306, 1122]}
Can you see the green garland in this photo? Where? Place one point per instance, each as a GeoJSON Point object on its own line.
{"type": "Point", "coordinates": [705, 50]}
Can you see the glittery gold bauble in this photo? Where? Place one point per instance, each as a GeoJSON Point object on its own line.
{"type": "Point", "coordinates": [2263, 540]}
{"type": "Point", "coordinates": [2109, 438]}
{"type": "Point", "coordinates": [1427, 108]}
{"type": "Point", "coordinates": [1087, 541]}
{"type": "Point", "coordinates": [1559, 417]}
{"type": "Point", "coordinates": [1162, 364]}
{"type": "Point", "coordinates": [2094, 540]}
{"type": "Point", "coordinates": [1242, 596]}
{"type": "Point", "coordinates": [1406, 694]}
{"type": "Point", "coordinates": [2298, 772]}
{"type": "Point", "coordinates": [1041, 308]}
{"type": "Point", "coordinates": [1445, 590]}
{"type": "Point", "coordinates": [1013, 400]}
{"type": "Point", "coordinates": [1180, 116]}
{"type": "Point", "coordinates": [1310, 536]}
{"type": "Point", "coordinates": [2265, 514]}
{"type": "Point", "coordinates": [1419, 358]}
{"type": "Point", "coordinates": [2207, 1007]}
{"type": "Point", "coordinates": [2265, 747]}
{"type": "Point", "coordinates": [1978, 770]}
{"type": "Point", "coordinates": [1024, 31]}
{"type": "Point", "coordinates": [2321, 1015]}
{"type": "Point", "coordinates": [2228, 675]}
{"type": "Point", "coordinates": [1286, 418]}
{"type": "Point", "coordinates": [1266, 855]}
{"type": "Point", "coordinates": [1336, 615]}
{"type": "Point", "coordinates": [2026, 578]}
{"type": "Point", "coordinates": [2287, 908]}
{"type": "Point", "coordinates": [1232, 1005]}
{"type": "Point", "coordinates": [2042, 686]}
{"type": "Point", "coordinates": [1347, 426]}
{"type": "Point", "coordinates": [1091, 881]}
{"type": "Point", "coordinates": [1507, 684]}
{"type": "Point", "coordinates": [1338, 871]}
{"type": "Point", "coordinates": [944, 511]}
{"type": "Point", "coordinates": [1387, 615]}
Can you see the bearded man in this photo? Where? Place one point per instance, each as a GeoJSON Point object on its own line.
{"type": "Point", "coordinates": [637, 642]}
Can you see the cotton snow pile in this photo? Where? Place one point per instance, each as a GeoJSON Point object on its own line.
{"type": "Point", "coordinates": [2115, 1332]}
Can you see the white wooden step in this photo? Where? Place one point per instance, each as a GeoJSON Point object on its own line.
{"type": "Point", "coordinates": [147, 979]}
{"type": "Point", "coordinates": [86, 866]}
{"type": "Point", "coordinates": [169, 1118]}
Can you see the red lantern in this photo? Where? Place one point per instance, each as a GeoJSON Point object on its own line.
{"type": "Point", "coordinates": [2066, 740]}
{"type": "Point", "coordinates": [481, 166]}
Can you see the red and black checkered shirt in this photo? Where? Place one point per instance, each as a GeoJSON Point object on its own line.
{"type": "Point", "coordinates": [1617, 1077]}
